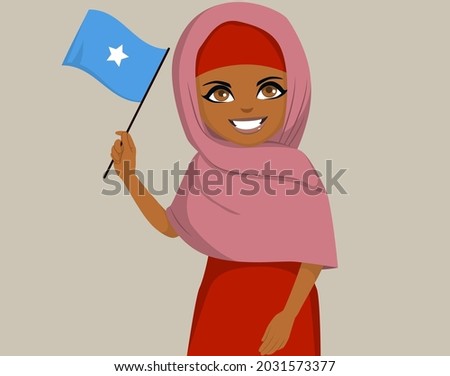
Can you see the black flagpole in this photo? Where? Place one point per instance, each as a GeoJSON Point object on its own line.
{"type": "Point", "coordinates": [139, 107]}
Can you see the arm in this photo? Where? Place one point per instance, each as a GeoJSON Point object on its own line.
{"type": "Point", "coordinates": [279, 329]}
{"type": "Point", "coordinates": [123, 153]}
{"type": "Point", "coordinates": [152, 210]}
{"type": "Point", "coordinates": [306, 277]}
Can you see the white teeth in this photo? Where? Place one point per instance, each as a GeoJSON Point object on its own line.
{"type": "Point", "coordinates": [247, 125]}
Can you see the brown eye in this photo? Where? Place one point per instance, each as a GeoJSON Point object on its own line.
{"type": "Point", "coordinates": [270, 91]}
{"type": "Point", "coordinates": [219, 94]}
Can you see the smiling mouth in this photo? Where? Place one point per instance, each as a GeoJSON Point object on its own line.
{"type": "Point", "coordinates": [248, 125]}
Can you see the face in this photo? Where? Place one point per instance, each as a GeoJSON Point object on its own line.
{"type": "Point", "coordinates": [244, 104]}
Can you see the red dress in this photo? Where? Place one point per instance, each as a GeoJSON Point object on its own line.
{"type": "Point", "coordinates": [236, 302]}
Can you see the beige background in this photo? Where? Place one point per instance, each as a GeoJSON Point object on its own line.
{"type": "Point", "coordinates": [84, 274]}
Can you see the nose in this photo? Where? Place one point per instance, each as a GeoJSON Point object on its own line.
{"type": "Point", "coordinates": [247, 110]}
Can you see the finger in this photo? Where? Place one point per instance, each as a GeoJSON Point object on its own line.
{"type": "Point", "coordinates": [283, 343]}
{"type": "Point", "coordinates": [131, 142]}
{"type": "Point", "coordinates": [266, 345]}
{"type": "Point", "coordinates": [269, 346]}
{"type": "Point", "coordinates": [120, 133]}
{"type": "Point", "coordinates": [124, 139]}
{"type": "Point", "coordinates": [118, 146]}
{"type": "Point", "coordinates": [274, 347]}
{"type": "Point", "coordinates": [115, 155]}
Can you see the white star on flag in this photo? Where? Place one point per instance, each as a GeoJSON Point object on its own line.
{"type": "Point", "coordinates": [117, 55]}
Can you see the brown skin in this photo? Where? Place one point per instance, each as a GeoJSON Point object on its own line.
{"type": "Point", "coordinates": [241, 102]}
{"type": "Point", "coordinates": [123, 153]}
{"type": "Point", "coordinates": [279, 328]}
{"type": "Point", "coordinates": [241, 99]}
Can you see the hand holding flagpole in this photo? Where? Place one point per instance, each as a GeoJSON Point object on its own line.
{"type": "Point", "coordinates": [123, 154]}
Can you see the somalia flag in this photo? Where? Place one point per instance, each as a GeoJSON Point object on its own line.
{"type": "Point", "coordinates": [110, 52]}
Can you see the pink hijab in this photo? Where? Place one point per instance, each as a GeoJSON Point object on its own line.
{"type": "Point", "coordinates": [291, 221]}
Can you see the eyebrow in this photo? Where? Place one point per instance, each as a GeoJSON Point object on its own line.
{"type": "Point", "coordinates": [218, 82]}
{"type": "Point", "coordinates": [268, 78]}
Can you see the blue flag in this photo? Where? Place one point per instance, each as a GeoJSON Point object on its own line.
{"type": "Point", "coordinates": [110, 52]}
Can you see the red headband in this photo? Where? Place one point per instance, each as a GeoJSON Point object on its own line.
{"type": "Point", "coordinates": [234, 43]}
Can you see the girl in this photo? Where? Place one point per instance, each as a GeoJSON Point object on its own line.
{"type": "Point", "coordinates": [250, 200]}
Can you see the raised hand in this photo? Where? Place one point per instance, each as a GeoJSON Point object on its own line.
{"type": "Point", "coordinates": [123, 153]}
